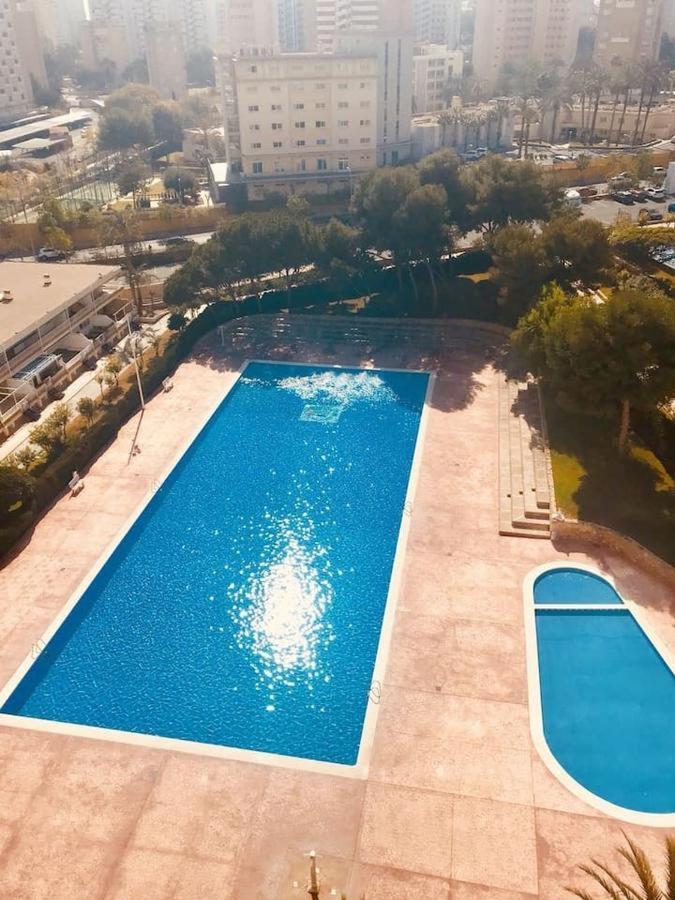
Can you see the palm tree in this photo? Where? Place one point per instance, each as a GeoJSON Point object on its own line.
{"type": "Point", "coordinates": [503, 106]}
{"type": "Point", "coordinates": [445, 118]}
{"type": "Point", "coordinates": [629, 78]}
{"type": "Point", "coordinates": [556, 98]}
{"type": "Point", "coordinates": [656, 75]}
{"type": "Point", "coordinates": [595, 84]}
{"type": "Point", "coordinates": [615, 84]}
{"type": "Point", "coordinates": [647, 886]}
{"type": "Point", "coordinates": [122, 227]}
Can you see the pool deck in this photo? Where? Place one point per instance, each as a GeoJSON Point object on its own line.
{"type": "Point", "coordinates": [457, 803]}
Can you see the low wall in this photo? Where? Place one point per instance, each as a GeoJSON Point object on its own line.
{"type": "Point", "coordinates": [607, 539]}
{"type": "Point", "coordinates": [21, 236]}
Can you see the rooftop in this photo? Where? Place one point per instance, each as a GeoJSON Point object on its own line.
{"type": "Point", "coordinates": [73, 119]}
{"type": "Point", "coordinates": [33, 302]}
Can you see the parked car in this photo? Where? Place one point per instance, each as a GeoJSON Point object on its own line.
{"type": "Point", "coordinates": [31, 414]}
{"type": "Point", "coordinates": [647, 216]}
{"type": "Point", "coordinates": [624, 197]}
{"type": "Point", "coordinates": [178, 241]}
{"type": "Point", "coordinates": [656, 194]}
{"type": "Point", "coordinates": [638, 194]}
{"type": "Point", "coordinates": [49, 254]}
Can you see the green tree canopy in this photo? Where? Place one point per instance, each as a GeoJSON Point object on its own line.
{"type": "Point", "coordinates": [504, 191]}
{"type": "Point", "coordinates": [16, 493]}
{"type": "Point", "coordinates": [603, 359]}
{"type": "Point", "coordinates": [422, 222]}
{"type": "Point", "coordinates": [443, 168]}
{"type": "Point", "coordinates": [577, 249]}
{"type": "Point", "coordinates": [521, 267]}
{"type": "Point", "coordinates": [167, 123]}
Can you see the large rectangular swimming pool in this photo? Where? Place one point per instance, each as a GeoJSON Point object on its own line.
{"type": "Point", "coordinates": [244, 606]}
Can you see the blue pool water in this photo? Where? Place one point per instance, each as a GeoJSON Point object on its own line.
{"type": "Point", "coordinates": [244, 606]}
{"type": "Point", "coordinates": [608, 705]}
{"type": "Point", "coordinates": [569, 585]}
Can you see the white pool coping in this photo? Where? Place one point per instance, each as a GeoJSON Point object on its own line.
{"type": "Point", "coordinates": [360, 769]}
{"type": "Point", "coordinates": [654, 820]}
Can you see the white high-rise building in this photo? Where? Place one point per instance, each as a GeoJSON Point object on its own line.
{"type": "Point", "coordinates": [333, 16]}
{"type": "Point", "coordinates": [297, 25]}
{"type": "Point", "coordinates": [438, 22]}
{"type": "Point", "coordinates": [60, 20]}
{"type": "Point", "coordinates": [16, 95]}
{"type": "Point", "coordinates": [629, 31]}
{"type": "Point", "coordinates": [434, 68]}
{"type": "Point", "coordinates": [190, 17]}
{"type": "Point", "coordinates": [514, 31]}
{"type": "Point", "coordinates": [247, 25]}
{"type": "Point", "coordinates": [166, 60]}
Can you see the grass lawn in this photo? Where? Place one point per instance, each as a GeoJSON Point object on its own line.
{"type": "Point", "coordinates": [633, 494]}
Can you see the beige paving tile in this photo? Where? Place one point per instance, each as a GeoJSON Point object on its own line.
{"type": "Point", "coordinates": [471, 769]}
{"type": "Point", "coordinates": [146, 874]}
{"type": "Point", "coordinates": [550, 793]}
{"type": "Point", "coordinates": [565, 841]}
{"type": "Point", "coordinates": [378, 883]}
{"type": "Point", "coordinates": [494, 844]}
{"type": "Point", "coordinates": [407, 829]}
{"type": "Point", "coordinates": [466, 891]}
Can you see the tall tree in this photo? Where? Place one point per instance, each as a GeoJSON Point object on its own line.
{"type": "Point", "coordinates": [604, 359]}
{"type": "Point", "coordinates": [422, 220]}
{"type": "Point", "coordinates": [501, 192]}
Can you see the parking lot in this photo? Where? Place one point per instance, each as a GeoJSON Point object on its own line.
{"type": "Point", "coordinates": [607, 210]}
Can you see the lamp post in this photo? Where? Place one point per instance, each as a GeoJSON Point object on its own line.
{"type": "Point", "coordinates": [133, 351]}
{"type": "Point", "coordinates": [313, 886]}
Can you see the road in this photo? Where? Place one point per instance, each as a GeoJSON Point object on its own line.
{"type": "Point", "coordinates": [116, 250]}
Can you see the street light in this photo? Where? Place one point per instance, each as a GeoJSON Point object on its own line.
{"type": "Point", "coordinates": [138, 372]}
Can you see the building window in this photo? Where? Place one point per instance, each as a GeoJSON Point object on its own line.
{"type": "Point", "coordinates": [321, 165]}
{"type": "Point", "coordinates": [302, 165]}
{"type": "Point", "coordinates": [343, 123]}
{"type": "Point", "coordinates": [276, 126]}
{"type": "Point", "coordinates": [342, 87]}
{"type": "Point", "coordinates": [320, 123]}
{"type": "Point", "coordinates": [343, 164]}
{"type": "Point", "coordinates": [253, 68]}
{"type": "Point", "coordinates": [254, 127]}
{"type": "Point", "coordinates": [321, 142]}
{"type": "Point", "coordinates": [256, 146]}
{"type": "Point", "coordinates": [276, 107]}
{"type": "Point", "coordinates": [320, 87]}
{"type": "Point", "coordinates": [365, 121]}
{"type": "Point", "coordinates": [299, 124]}
{"type": "Point", "coordinates": [365, 104]}
{"type": "Point", "coordinates": [343, 140]}
{"type": "Point", "coordinates": [257, 168]}
{"type": "Point", "coordinates": [254, 109]}
{"type": "Point", "coordinates": [299, 143]}
{"type": "Point", "coordinates": [365, 140]}
{"type": "Point", "coordinates": [320, 105]}
{"type": "Point", "coordinates": [343, 105]}
{"type": "Point", "coordinates": [299, 106]}
{"type": "Point", "coordinates": [277, 145]}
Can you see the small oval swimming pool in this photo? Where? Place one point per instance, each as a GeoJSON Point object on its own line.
{"type": "Point", "coordinates": [568, 585]}
{"type": "Point", "coordinates": [602, 697]}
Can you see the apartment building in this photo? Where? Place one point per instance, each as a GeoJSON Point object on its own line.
{"type": "Point", "coordinates": [16, 95]}
{"type": "Point", "coordinates": [165, 53]}
{"type": "Point", "coordinates": [245, 25]}
{"type": "Point", "coordinates": [438, 22]}
{"type": "Point", "coordinates": [139, 17]}
{"type": "Point", "coordinates": [305, 123]}
{"type": "Point", "coordinates": [434, 68]}
{"type": "Point", "coordinates": [333, 16]}
{"type": "Point", "coordinates": [52, 320]}
{"type": "Point", "coordinates": [629, 30]}
{"type": "Point", "coordinates": [297, 26]}
{"type": "Point", "coordinates": [513, 31]}
{"type": "Point", "coordinates": [30, 42]}
{"type": "Point", "coordinates": [60, 21]}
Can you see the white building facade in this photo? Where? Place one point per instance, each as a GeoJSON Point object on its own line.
{"type": "Point", "coordinates": [629, 30]}
{"type": "Point", "coordinates": [514, 31]}
{"type": "Point", "coordinates": [16, 95]}
{"type": "Point", "coordinates": [438, 22]}
{"type": "Point", "coordinates": [435, 67]}
{"type": "Point", "coordinates": [305, 123]}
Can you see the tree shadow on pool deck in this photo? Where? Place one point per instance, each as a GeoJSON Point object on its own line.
{"type": "Point", "coordinates": [460, 371]}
